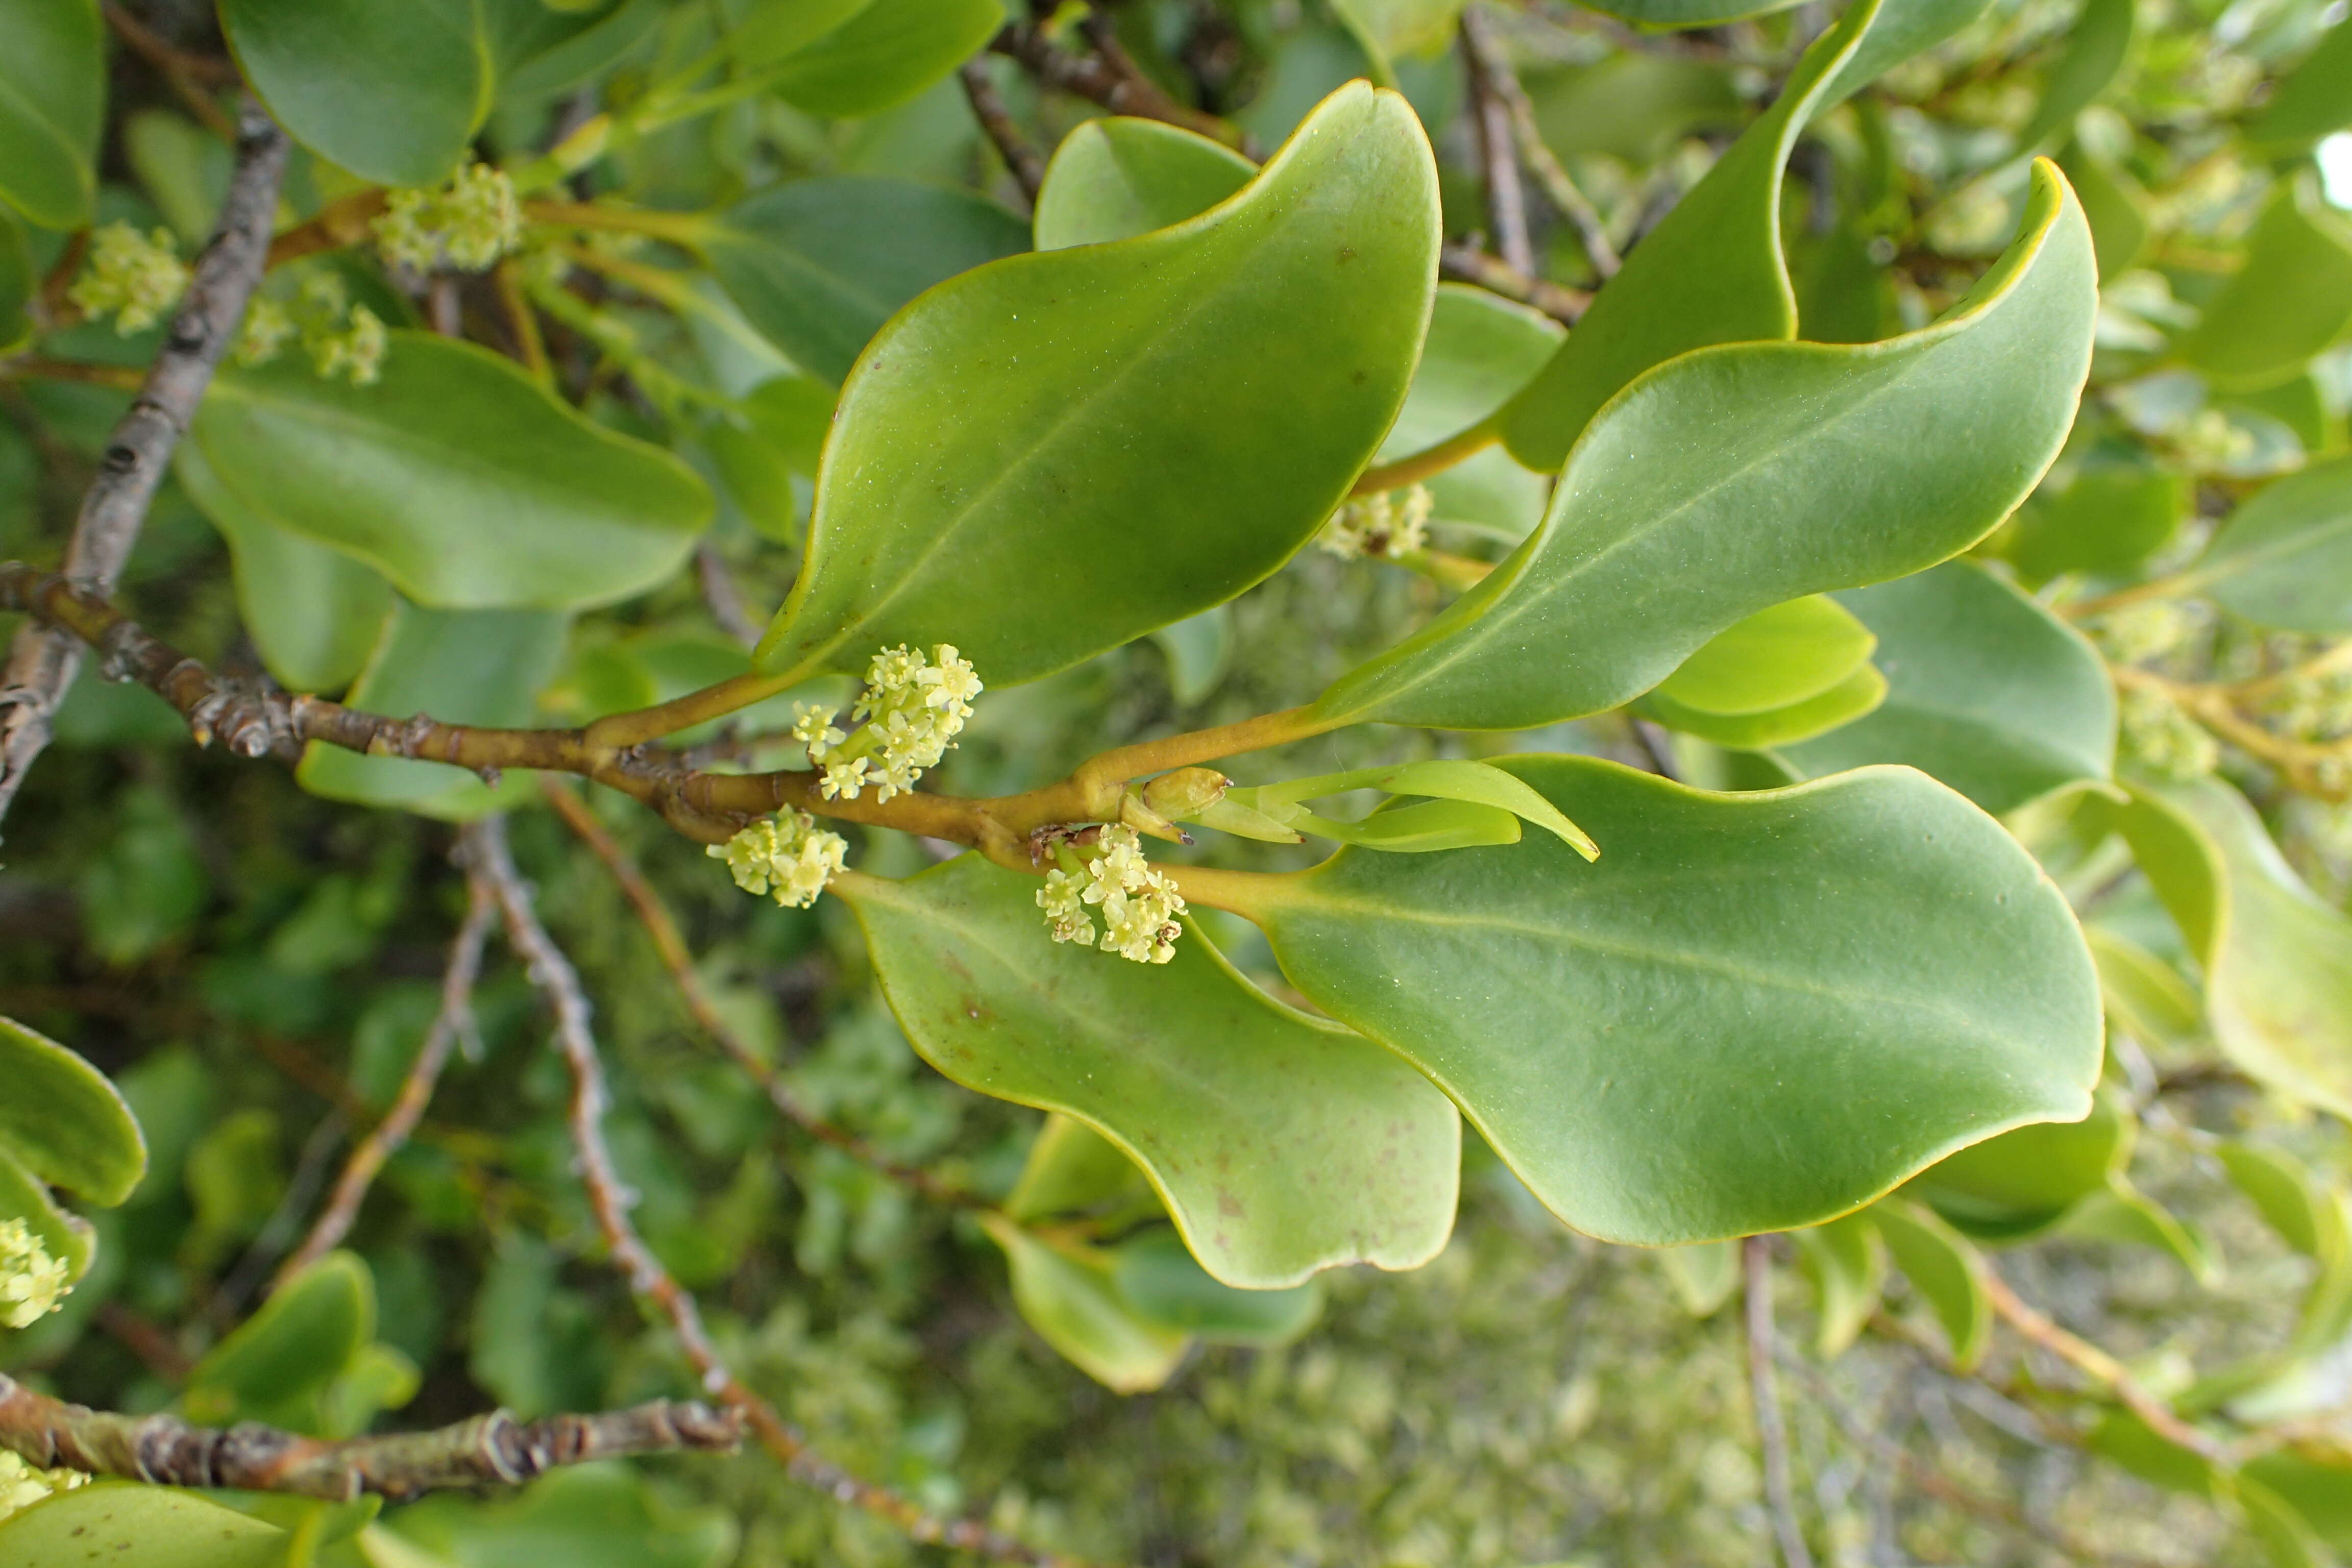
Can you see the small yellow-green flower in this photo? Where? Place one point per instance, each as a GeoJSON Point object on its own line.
{"type": "Point", "coordinates": [32, 1282]}
{"type": "Point", "coordinates": [23, 1484]}
{"type": "Point", "coordinates": [1141, 906]}
{"type": "Point", "coordinates": [789, 858]}
{"type": "Point", "coordinates": [132, 277]}
{"type": "Point", "coordinates": [467, 224]}
{"type": "Point", "coordinates": [909, 714]}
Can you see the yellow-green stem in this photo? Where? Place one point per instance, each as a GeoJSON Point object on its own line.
{"type": "Point", "coordinates": [1446, 454]}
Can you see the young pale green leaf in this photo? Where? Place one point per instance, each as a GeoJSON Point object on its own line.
{"type": "Point", "coordinates": [2315, 1482]}
{"type": "Point", "coordinates": [2146, 997]}
{"type": "Point", "coordinates": [154, 1527]}
{"type": "Point", "coordinates": [1389, 28]}
{"type": "Point", "coordinates": [401, 475]}
{"type": "Point", "coordinates": [2130, 1442]}
{"type": "Point", "coordinates": [1442, 779]}
{"type": "Point", "coordinates": [313, 612]}
{"type": "Point", "coordinates": [817, 266]}
{"type": "Point", "coordinates": [885, 54]}
{"type": "Point", "coordinates": [2285, 561]}
{"type": "Point", "coordinates": [1280, 1144]}
{"type": "Point", "coordinates": [2313, 101]}
{"type": "Point", "coordinates": [2120, 1212]}
{"type": "Point", "coordinates": [52, 100]}
{"type": "Point", "coordinates": [2287, 1539]}
{"type": "Point", "coordinates": [1847, 1260]}
{"type": "Point", "coordinates": [1073, 1169]}
{"type": "Point", "coordinates": [1481, 350]}
{"type": "Point", "coordinates": [577, 1516]}
{"type": "Point", "coordinates": [766, 31]}
{"type": "Point", "coordinates": [1703, 1273]}
{"type": "Point", "coordinates": [1047, 456]}
{"type": "Point", "coordinates": [2109, 520]}
{"type": "Point", "coordinates": [2181, 862]}
{"type": "Point", "coordinates": [1070, 1295]}
{"type": "Point", "coordinates": [64, 1122]}
{"type": "Point", "coordinates": [1431, 826]}
{"type": "Point", "coordinates": [1159, 1279]}
{"type": "Point", "coordinates": [276, 1363]}
{"type": "Point", "coordinates": [2024, 1180]}
{"type": "Point", "coordinates": [1821, 468]}
{"type": "Point", "coordinates": [2095, 49]}
{"type": "Point", "coordinates": [1985, 691]}
{"type": "Point", "coordinates": [1946, 1271]}
{"type": "Point", "coordinates": [2290, 1199]}
{"type": "Point", "coordinates": [23, 1195]}
{"type": "Point", "coordinates": [2116, 205]}
{"type": "Point", "coordinates": [2291, 299]}
{"type": "Point", "coordinates": [1114, 179]}
{"type": "Point", "coordinates": [394, 94]}
{"type": "Point", "coordinates": [463, 667]}
{"type": "Point", "coordinates": [1849, 700]}
{"type": "Point", "coordinates": [1774, 657]}
{"type": "Point", "coordinates": [1753, 1012]}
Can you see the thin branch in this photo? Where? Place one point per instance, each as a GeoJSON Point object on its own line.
{"type": "Point", "coordinates": [1468, 264]}
{"type": "Point", "coordinates": [42, 662]}
{"type": "Point", "coordinates": [1490, 64]}
{"type": "Point", "coordinates": [988, 107]}
{"type": "Point", "coordinates": [343, 222]}
{"type": "Point", "coordinates": [2097, 1365]}
{"type": "Point", "coordinates": [187, 74]}
{"type": "Point", "coordinates": [1490, 118]}
{"type": "Point", "coordinates": [451, 1024]}
{"type": "Point", "coordinates": [485, 1450]}
{"type": "Point", "coordinates": [723, 596]}
{"type": "Point", "coordinates": [1772, 1432]}
{"type": "Point", "coordinates": [1108, 77]}
{"type": "Point", "coordinates": [610, 1200]}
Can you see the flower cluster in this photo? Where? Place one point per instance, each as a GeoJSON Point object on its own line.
{"type": "Point", "coordinates": [1380, 526]}
{"type": "Point", "coordinates": [2163, 739]}
{"type": "Point", "coordinates": [467, 224]}
{"type": "Point", "coordinates": [32, 1282]}
{"type": "Point", "coordinates": [908, 716]}
{"type": "Point", "coordinates": [23, 1483]}
{"type": "Point", "coordinates": [1139, 905]}
{"type": "Point", "coordinates": [342, 337]}
{"type": "Point", "coordinates": [788, 857]}
{"type": "Point", "coordinates": [2137, 633]}
{"type": "Point", "coordinates": [132, 277]}
{"type": "Point", "coordinates": [2314, 706]}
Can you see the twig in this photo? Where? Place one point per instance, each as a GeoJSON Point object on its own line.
{"type": "Point", "coordinates": [1491, 65]}
{"type": "Point", "coordinates": [485, 1450]}
{"type": "Point", "coordinates": [1657, 747]}
{"type": "Point", "coordinates": [345, 221]}
{"type": "Point", "coordinates": [1490, 117]}
{"type": "Point", "coordinates": [42, 662]}
{"type": "Point", "coordinates": [187, 74]}
{"type": "Point", "coordinates": [553, 973]}
{"type": "Point", "coordinates": [1772, 1432]}
{"type": "Point", "coordinates": [1108, 77]}
{"type": "Point", "coordinates": [655, 916]}
{"type": "Point", "coordinates": [988, 107]}
{"type": "Point", "coordinates": [722, 597]}
{"type": "Point", "coordinates": [451, 1024]}
{"type": "Point", "coordinates": [1468, 264]}
{"type": "Point", "coordinates": [2097, 1365]}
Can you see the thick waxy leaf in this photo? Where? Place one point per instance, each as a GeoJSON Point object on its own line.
{"type": "Point", "coordinates": [885, 54]}
{"type": "Point", "coordinates": [2315, 100]}
{"type": "Point", "coordinates": [1073, 1169]}
{"type": "Point", "coordinates": [1753, 1012]}
{"type": "Point", "coordinates": [2109, 520]}
{"type": "Point", "coordinates": [1772, 658]}
{"type": "Point", "coordinates": [585, 1516]}
{"type": "Point", "coordinates": [1849, 700]}
{"type": "Point", "coordinates": [2024, 1180]}
{"type": "Point", "coordinates": [1070, 1295]}
{"type": "Point", "coordinates": [1985, 690]}
{"type": "Point", "coordinates": [767, 30]}
{"type": "Point", "coordinates": [463, 667]}
{"type": "Point", "coordinates": [26, 1196]}
{"type": "Point", "coordinates": [2291, 299]}
{"type": "Point", "coordinates": [2095, 49]}
{"type": "Point", "coordinates": [2146, 997]}
{"type": "Point", "coordinates": [277, 1362]}
{"type": "Point", "coordinates": [1158, 1278]}
{"type": "Point", "coordinates": [1944, 1269]}
{"type": "Point", "coordinates": [156, 1527]}
{"type": "Point", "coordinates": [1114, 179]}
{"type": "Point", "coordinates": [1280, 1144]}
{"type": "Point", "coordinates": [52, 99]}
{"type": "Point", "coordinates": [1047, 457]}
{"type": "Point", "coordinates": [1447, 780]}
{"type": "Point", "coordinates": [62, 1120]}
{"type": "Point", "coordinates": [1821, 468]}
{"type": "Point", "coordinates": [1680, 14]}
{"type": "Point", "coordinates": [1847, 1261]}
{"type": "Point", "coordinates": [2285, 559]}
{"type": "Point", "coordinates": [408, 475]}
{"type": "Point", "coordinates": [817, 266]}
{"type": "Point", "coordinates": [391, 93]}
{"type": "Point", "coordinates": [313, 612]}
{"type": "Point", "coordinates": [1481, 350]}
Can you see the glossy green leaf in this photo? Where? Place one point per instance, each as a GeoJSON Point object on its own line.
{"type": "Point", "coordinates": [314, 613]}
{"type": "Point", "coordinates": [1481, 350]}
{"type": "Point", "coordinates": [817, 266]}
{"type": "Point", "coordinates": [1985, 690]}
{"type": "Point", "coordinates": [1944, 1269]}
{"type": "Point", "coordinates": [18, 283]}
{"type": "Point", "coordinates": [2096, 46]}
{"type": "Point", "coordinates": [1849, 700]}
{"type": "Point", "coordinates": [276, 1363]}
{"type": "Point", "coordinates": [1847, 1261]}
{"type": "Point", "coordinates": [63, 1120]}
{"type": "Point", "coordinates": [1442, 779]}
{"type": "Point", "coordinates": [2319, 1491]}
{"type": "Point", "coordinates": [2285, 559]}
{"type": "Point", "coordinates": [1281, 1144]}
{"type": "Point", "coordinates": [2122, 1212]}
{"type": "Point", "coordinates": [393, 93]}
{"type": "Point", "coordinates": [463, 667]}
{"type": "Point", "coordinates": [25, 1196]}
{"type": "Point", "coordinates": [1158, 1278]}
{"type": "Point", "coordinates": [1419, 829]}
{"type": "Point", "coordinates": [52, 100]}
{"type": "Point", "coordinates": [1070, 1295]}
{"type": "Point", "coordinates": [1774, 657]}
{"type": "Point", "coordinates": [405, 474]}
{"type": "Point", "coordinates": [2146, 997]}
{"type": "Point", "coordinates": [2291, 298]}
{"type": "Point", "coordinates": [154, 1527]}
{"type": "Point", "coordinates": [1753, 1012]}
{"type": "Point", "coordinates": [885, 55]}
{"type": "Point", "coordinates": [2314, 99]}
{"type": "Point", "coordinates": [1116, 178]}
{"type": "Point", "coordinates": [552, 53]}
{"type": "Point", "coordinates": [1047, 457]}
{"type": "Point", "coordinates": [2024, 1180]}
{"type": "Point", "coordinates": [2109, 520]}
{"type": "Point", "coordinates": [767, 30]}
{"type": "Point", "coordinates": [1074, 1169]}
{"type": "Point", "coordinates": [2286, 1538]}
{"type": "Point", "coordinates": [607, 1515]}
{"type": "Point", "coordinates": [2291, 1201]}
{"type": "Point", "coordinates": [1395, 27]}
{"type": "Point", "coordinates": [2181, 863]}
{"type": "Point", "coordinates": [1895, 455]}
{"type": "Point", "coordinates": [1682, 14]}
{"type": "Point", "coordinates": [1704, 1275]}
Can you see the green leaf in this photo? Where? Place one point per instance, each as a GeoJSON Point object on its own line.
{"type": "Point", "coordinates": [2146, 997]}
{"type": "Point", "coordinates": [817, 266]}
{"type": "Point", "coordinates": [1704, 1275]}
{"type": "Point", "coordinates": [886, 55]}
{"type": "Point", "coordinates": [1045, 458]}
{"type": "Point", "coordinates": [1985, 690]}
{"type": "Point", "coordinates": [2122, 1212]}
{"type": "Point", "coordinates": [1432, 825]}
{"type": "Point", "coordinates": [2131, 1443]}
{"type": "Point", "coordinates": [26, 1196]}
{"type": "Point", "coordinates": [1200, 649]}
{"type": "Point", "coordinates": [2286, 1538]}
{"type": "Point", "coordinates": [394, 94]}
{"type": "Point", "coordinates": [403, 476]}
{"type": "Point", "coordinates": [1480, 351]}
{"type": "Point", "coordinates": [313, 612]}
{"type": "Point", "coordinates": [1754, 1012]}
{"type": "Point", "coordinates": [2096, 46]}
{"type": "Point", "coordinates": [2319, 1491]}
{"type": "Point", "coordinates": [1774, 657]}
{"type": "Point", "coordinates": [2181, 863]}
{"type": "Point", "coordinates": [1849, 700]}
{"type": "Point", "coordinates": [52, 104]}
{"type": "Point", "coordinates": [1683, 14]}
{"type": "Point", "coordinates": [767, 30]}
{"type": "Point", "coordinates": [1395, 27]}
{"type": "Point", "coordinates": [2023, 1181]}
{"type": "Point", "coordinates": [2109, 520]}
{"type": "Point", "coordinates": [64, 1122]}
{"type": "Point", "coordinates": [1116, 178]}
{"type": "Point", "coordinates": [276, 1363]}
{"type": "Point", "coordinates": [18, 283]}
{"type": "Point", "coordinates": [2291, 298]}
{"type": "Point", "coordinates": [2291, 1202]}
{"type": "Point", "coordinates": [154, 1527]}
{"type": "Point", "coordinates": [1482, 782]}
{"type": "Point", "coordinates": [1847, 1260]}
{"type": "Point", "coordinates": [1281, 1144]}
{"type": "Point", "coordinates": [1895, 455]}
{"type": "Point", "coordinates": [1072, 1169]}
{"type": "Point", "coordinates": [2284, 560]}
{"type": "Point", "coordinates": [1946, 1271]}
{"type": "Point", "coordinates": [1158, 1278]}
{"type": "Point", "coordinates": [582, 1516]}
{"type": "Point", "coordinates": [1070, 1295]}
{"type": "Point", "coordinates": [769, 461]}
{"type": "Point", "coordinates": [463, 667]}
{"type": "Point", "coordinates": [2116, 205]}
{"type": "Point", "coordinates": [2314, 99]}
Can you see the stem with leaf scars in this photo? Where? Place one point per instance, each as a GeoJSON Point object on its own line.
{"type": "Point", "coordinates": [485, 1450]}
{"type": "Point", "coordinates": [1771, 1431]}
{"type": "Point", "coordinates": [1467, 264]}
{"type": "Point", "coordinates": [610, 1200]}
{"type": "Point", "coordinates": [42, 661]}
